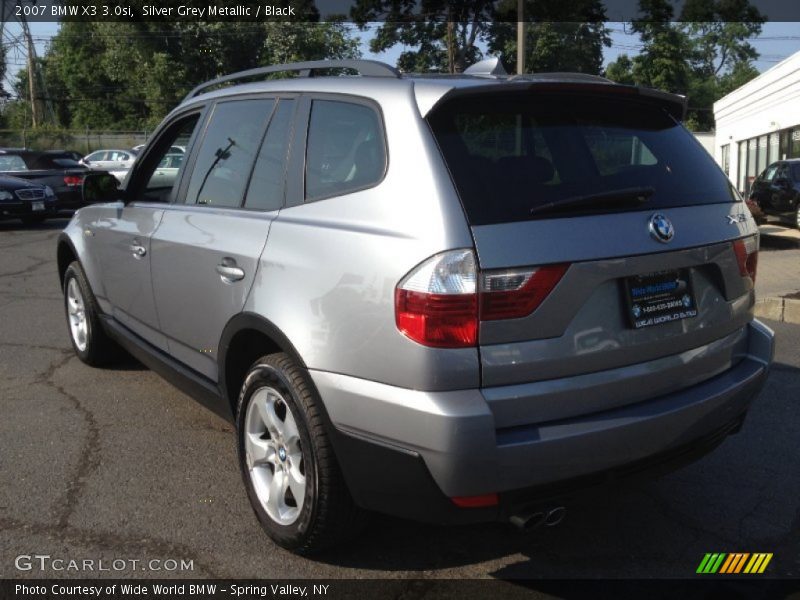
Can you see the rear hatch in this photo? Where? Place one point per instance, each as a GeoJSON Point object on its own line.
{"type": "Point", "coordinates": [612, 249]}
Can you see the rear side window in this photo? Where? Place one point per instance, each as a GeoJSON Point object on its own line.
{"type": "Point", "coordinates": [228, 151]}
{"type": "Point", "coordinates": [345, 149]}
{"type": "Point", "coordinates": [513, 152]}
{"type": "Point", "coordinates": [266, 185]}
{"type": "Point", "coordinates": [12, 163]}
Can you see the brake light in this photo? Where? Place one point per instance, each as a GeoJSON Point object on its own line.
{"type": "Point", "coordinates": [515, 294]}
{"type": "Point", "coordinates": [439, 304]}
{"type": "Point", "coordinates": [476, 501]}
{"type": "Point", "coordinates": [746, 250]}
{"type": "Point", "coordinates": [436, 304]}
{"type": "Point", "coordinates": [73, 180]}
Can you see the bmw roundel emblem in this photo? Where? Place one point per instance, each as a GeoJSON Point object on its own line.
{"type": "Point", "coordinates": [661, 228]}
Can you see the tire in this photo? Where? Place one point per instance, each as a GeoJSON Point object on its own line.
{"type": "Point", "coordinates": [281, 434]}
{"type": "Point", "coordinates": [89, 340]}
{"type": "Point", "coordinates": [37, 220]}
{"type": "Point", "coordinates": [797, 215]}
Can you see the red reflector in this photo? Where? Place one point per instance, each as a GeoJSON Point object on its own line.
{"type": "Point", "coordinates": [519, 303]}
{"type": "Point", "coordinates": [748, 261]}
{"type": "Point", "coordinates": [438, 320]}
{"type": "Point", "coordinates": [476, 501]}
{"type": "Point", "coordinates": [73, 180]}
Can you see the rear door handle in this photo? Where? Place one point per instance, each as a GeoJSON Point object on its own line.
{"type": "Point", "coordinates": [138, 250]}
{"type": "Point", "coordinates": [228, 271]}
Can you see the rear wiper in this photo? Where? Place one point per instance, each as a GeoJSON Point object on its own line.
{"type": "Point", "coordinates": [607, 199]}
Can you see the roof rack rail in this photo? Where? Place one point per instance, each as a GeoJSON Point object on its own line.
{"type": "Point", "coordinates": [365, 68]}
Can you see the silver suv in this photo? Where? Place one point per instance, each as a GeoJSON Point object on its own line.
{"type": "Point", "coordinates": [444, 298]}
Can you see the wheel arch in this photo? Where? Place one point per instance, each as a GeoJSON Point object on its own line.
{"type": "Point", "coordinates": [247, 337]}
{"type": "Point", "coordinates": [65, 255]}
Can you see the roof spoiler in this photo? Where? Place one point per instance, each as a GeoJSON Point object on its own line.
{"type": "Point", "coordinates": [674, 104]}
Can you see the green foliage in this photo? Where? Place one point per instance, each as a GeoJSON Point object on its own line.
{"type": "Point", "coordinates": [443, 33]}
{"type": "Point", "coordinates": [127, 76]}
{"type": "Point", "coordinates": [704, 55]}
{"type": "Point", "coordinates": [559, 36]}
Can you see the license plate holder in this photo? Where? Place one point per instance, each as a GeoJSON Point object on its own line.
{"type": "Point", "coordinates": [660, 297]}
{"type": "Point", "coordinates": [37, 205]}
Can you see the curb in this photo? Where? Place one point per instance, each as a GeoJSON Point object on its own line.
{"type": "Point", "coordinates": [786, 310]}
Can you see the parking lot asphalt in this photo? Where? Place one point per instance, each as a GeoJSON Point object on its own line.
{"type": "Point", "coordinates": [108, 464]}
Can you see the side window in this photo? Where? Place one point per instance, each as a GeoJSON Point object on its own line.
{"type": "Point", "coordinates": [159, 174]}
{"type": "Point", "coordinates": [345, 149]}
{"type": "Point", "coordinates": [267, 183]}
{"type": "Point", "coordinates": [95, 156]}
{"type": "Point", "coordinates": [12, 162]}
{"type": "Point", "coordinates": [226, 155]}
{"type": "Point", "coordinates": [770, 173]}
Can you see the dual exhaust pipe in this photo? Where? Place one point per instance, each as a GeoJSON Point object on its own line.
{"type": "Point", "coordinates": [531, 520]}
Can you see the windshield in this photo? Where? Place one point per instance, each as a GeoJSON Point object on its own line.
{"type": "Point", "coordinates": [512, 153]}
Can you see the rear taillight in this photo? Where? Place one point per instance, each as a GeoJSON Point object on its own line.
{"type": "Point", "coordinates": [73, 180]}
{"type": "Point", "coordinates": [439, 303]}
{"type": "Point", "coordinates": [515, 294]}
{"type": "Point", "coordinates": [746, 250]}
{"type": "Point", "coordinates": [436, 304]}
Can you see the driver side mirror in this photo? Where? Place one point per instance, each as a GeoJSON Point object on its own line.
{"type": "Point", "coordinates": [100, 187]}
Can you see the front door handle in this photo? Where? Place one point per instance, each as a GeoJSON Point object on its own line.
{"type": "Point", "coordinates": [228, 271]}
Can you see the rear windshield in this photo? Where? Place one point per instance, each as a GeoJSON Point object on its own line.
{"type": "Point", "coordinates": [53, 161]}
{"type": "Point", "coordinates": [510, 154]}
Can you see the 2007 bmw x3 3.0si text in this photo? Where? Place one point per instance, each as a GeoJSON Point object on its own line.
{"type": "Point", "coordinates": [444, 298]}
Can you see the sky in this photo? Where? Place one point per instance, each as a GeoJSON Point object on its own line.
{"type": "Point", "coordinates": [777, 41]}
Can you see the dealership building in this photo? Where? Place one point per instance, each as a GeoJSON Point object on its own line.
{"type": "Point", "coordinates": [759, 123]}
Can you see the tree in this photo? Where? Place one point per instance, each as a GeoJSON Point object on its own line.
{"type": "Point", "coordinates": [443, 33]}
{"type": "Point", "coordinates": [128, 75]}
{"type": "Point", "coordinates": [704, 56]}
{"type": "Point", "coordinates": [560, 36]}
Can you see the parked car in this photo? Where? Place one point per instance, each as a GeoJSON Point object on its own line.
{"type": "Point", "coordinates": [173, 149]}
{"type": "Point", "coordinates": [110, 160]}
{"type": "Point", "coordinates": [55, 169]}
{"type": "Point", "coordinates": [776, 191]}
{"type": "Point", "coordinates": [25, 200]}
{"type": "Point", "coordinates": [448, 299]}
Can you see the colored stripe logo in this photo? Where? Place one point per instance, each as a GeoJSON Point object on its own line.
{"type": "Point", "coordinates": [734, 563]}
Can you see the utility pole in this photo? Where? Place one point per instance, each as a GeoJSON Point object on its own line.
{"type": "Point", "coordinates": [26, 32]}
{"type": "Point", "coordinates": [520, 37]}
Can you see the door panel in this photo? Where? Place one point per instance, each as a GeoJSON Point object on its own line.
{"type": "Point", "coordinates": [193, 250]}
{"type": "Point", "coordinates": [206, 252]}
{"type": "Point", "coordinates": [122, 235]}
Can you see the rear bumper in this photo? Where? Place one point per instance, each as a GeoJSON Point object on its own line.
{"type": "Point", "coordinates": [405, 452]}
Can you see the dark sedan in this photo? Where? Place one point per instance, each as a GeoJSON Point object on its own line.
{"type": "Point", "coordinates": [776, 191]}
{"type": "Point", "coordinates": [55, 168]}
{"type": "Point", "coordinates": [25, 200]}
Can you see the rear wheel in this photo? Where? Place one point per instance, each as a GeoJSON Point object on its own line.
{"type": "Point", "coordinates": [797, 216]}
{"type": "Point", "coordinates": [287, 462]}
{"type": "Point", "coordinates": [89, 339]}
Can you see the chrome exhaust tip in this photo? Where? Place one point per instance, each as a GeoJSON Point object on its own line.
{"type": "Point", "coordinates": [532, 520]}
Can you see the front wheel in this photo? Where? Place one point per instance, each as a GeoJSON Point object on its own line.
{"type": "Point", "coordinates": [89, 340]}
{"type": "Point", "coordinates": [797, 216]}
{"type": "Point", "coordinates": [287, 462]}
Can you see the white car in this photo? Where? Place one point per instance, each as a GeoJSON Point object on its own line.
{"type": "Point", "coordinates": [110, 160]}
